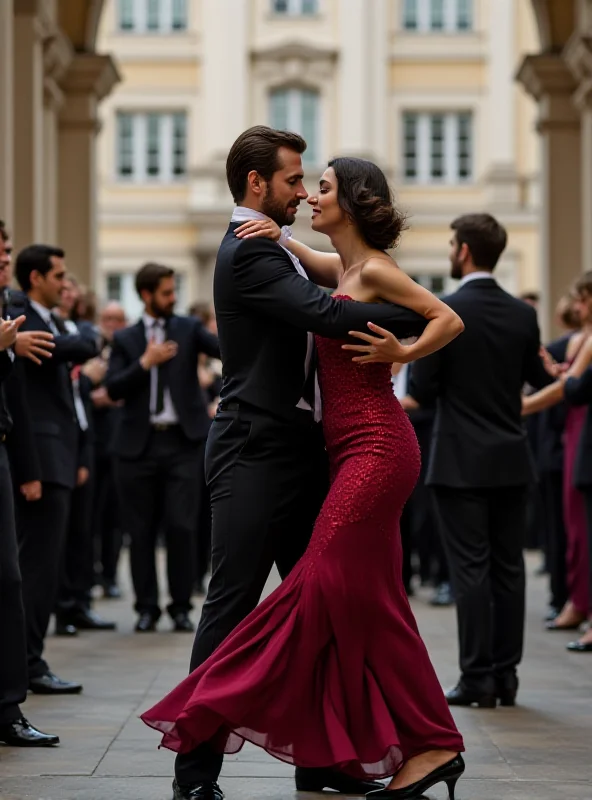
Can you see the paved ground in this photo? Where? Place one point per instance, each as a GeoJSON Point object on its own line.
{"type": "Point", "coordinates": [541, 750]}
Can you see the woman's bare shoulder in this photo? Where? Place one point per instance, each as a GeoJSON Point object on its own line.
{"type": "Point", "coordinates": [378, 267]}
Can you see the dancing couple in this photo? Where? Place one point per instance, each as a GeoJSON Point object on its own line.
{"type": "Point", "coordinates": [329, 673]}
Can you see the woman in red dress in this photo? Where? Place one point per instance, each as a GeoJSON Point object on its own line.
{"type": "Point", "coordinates": [330, 670]}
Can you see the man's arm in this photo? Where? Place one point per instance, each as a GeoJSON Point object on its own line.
{"type": "Point", "coordinates": [578, 391]}
{"type": "Point", "coordinates": [268, 283]}
{"type": "Point", "coordinates": [424, 380]}
{"type": "Point", "coordinates": [72, 348]}
{"type": "Point", "coordinates": [124, 379]}
{"type": "Point", "coordinates": [535, 373]}
{"type": "Point", "coordinates": [206, 342]}
{"type": "Point", "coordinates": [21, 444]}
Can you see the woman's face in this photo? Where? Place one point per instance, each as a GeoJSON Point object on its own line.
{"type": "Point", "coordinates": [327, 214]}
{"type": "Point", "coordinates": [583, 307]}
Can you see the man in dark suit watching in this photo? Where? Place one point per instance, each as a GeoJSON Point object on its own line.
{"type": "Point", "coordinates": [480, 464]}
{"type": "Point", "coordinates": [45, 449]}
{"type": "Point", "coordinates": [161, 441]}
{"type": "Point", "coordinates": [14, 728]}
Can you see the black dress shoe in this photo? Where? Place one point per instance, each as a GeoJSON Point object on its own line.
{"type": "Point", "coordinates": [579, 647]}
{"type": "Point", "coordinates": [111, 591]}
{"type": "Point", "coordinates": [442, 596]}
{"type": "Point", "coordinates": [209, 790]}
{"type": "Point", "coordinates": [448, 773]}
{"type": "Point", "coordinates": [183, 624]}
{"type": "Point", "coordinates": [65, 629]}
{"type": "Point", "coordinates": [317, 780]}
{"type": "Point", "coordinates": [506, 688]}
{"type": "Point", "coordinates": [88, 620]}
{"type": "Point", "coordinates": [146, 623]}
{"type": "Point", "coordinates": [462, 696]}
{"type": "Point", "coordinates": [552, 613]}
{"type": "Point", "coordinates": [51, 684]}
{"type": "Point", "coordinates": [21, 733]}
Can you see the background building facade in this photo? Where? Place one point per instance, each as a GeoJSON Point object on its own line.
{"type": "Point", "coordinates": [423, 87]}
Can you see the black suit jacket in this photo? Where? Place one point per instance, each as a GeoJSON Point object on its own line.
{"type": "Point", "coordinates": [46, 443]}
{"type": "Point", "coordinates": [127, 380]}
{"type": "Point", "coordinates": [578, 392]}
{"type": "Point", "coordinates": [479, 440]}
{"type": "Point", "coordinates": [264, 309]}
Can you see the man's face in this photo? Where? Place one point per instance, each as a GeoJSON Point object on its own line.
{"type": "Point", "coordinates": [457, 258]}
{"type": "Point", "coordinates": [112, 319]}
{"type": "Point", "coordinates": [5, 262]}
{"type": "Point", "coordinates": [285, 190]}
{"type": "Point", "coordinates": [161, 303]}
{"type": "Point", "coordinates": [68, 298]}
{"type": "Point", "coordinates": [48, 288]}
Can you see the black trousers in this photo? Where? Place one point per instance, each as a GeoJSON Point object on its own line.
{"type": "Point", "coordinates": [203, 533]}
{"type": "Point", "coordinates": [41, 528]}
{"type": "Point", "coordinates": [77, 573]}
{"type": "Point", "coordinates": [107, 533]}
{"type": "Point", "coordinates": [555, 539]}
{"type": "Point", "coordinates": [13, 661]}
{"type": "Point", "coordinates": [483, 532]}
{"type": "Point", "coordinates": [587, 492]}
{"type": "Point", "coordinates": [268, 480]}
{"type": "Point", "coordinates": [159, 493]}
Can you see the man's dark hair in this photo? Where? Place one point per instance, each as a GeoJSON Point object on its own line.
{"type": "Point", "coordinates": [149, 276]}
{"type": "Point", "coordinates": [484, 236]}
{"type": "Point", "coordinates": [257, 149]}
{"type": "Point", "coordinates": [4, 231]}
{"type": "Point", "coordinates": [35, 258]}
{"type": "Point", "coordinates": [583, 285]}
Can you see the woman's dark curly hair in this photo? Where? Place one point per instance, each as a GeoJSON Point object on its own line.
{"type": "Point", "coordinates": [364, 194]}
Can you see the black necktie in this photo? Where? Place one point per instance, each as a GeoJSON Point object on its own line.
{"type": "Point", "coordinates": [160, 381]}
{"type": "Point", "coordinates": [59, 323]}
{"type": "Point", "coordinates": [308, 390]}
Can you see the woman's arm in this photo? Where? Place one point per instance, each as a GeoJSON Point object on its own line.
{"type": "Point", "coordinates": [555, 392]}
{"type": "Point", "coordinates": [324, 269]}
{"type": "Point", "coordinates": [384, 278]}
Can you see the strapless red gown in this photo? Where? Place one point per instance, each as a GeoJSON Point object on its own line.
{"type": "Point", "coordinates": [330, 669]}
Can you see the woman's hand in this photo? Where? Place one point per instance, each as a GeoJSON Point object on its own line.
{"type": "Point", "coordinates": [259, 228]}
{"type": "Point", "coordinates": [384, 348]}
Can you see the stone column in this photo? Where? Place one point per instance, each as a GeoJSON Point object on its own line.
{"type": "Point", "coordinates": [549, 80]}
{"type": "Point", "coordinates": [6, 114]}
{"type": "Point", "coordinates": [355, 78]}
{"type": "Point", "coordinates": [89, 78]}
{"type": "Point", "coordinates": [502, 179]}
{"type": "Point", "coordinates": [28, 124]}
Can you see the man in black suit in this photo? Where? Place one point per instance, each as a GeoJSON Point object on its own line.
{"type": "Point", "coordinates": [161, 441]}
{"type": "Point", "coordinates": [265, 460]}
{"type": "Point", "coordinates": [14, 728]}
{"type": "Point", "coordinates": [480, 464]}
{"type": "Point", "coordinates": [45, 449]}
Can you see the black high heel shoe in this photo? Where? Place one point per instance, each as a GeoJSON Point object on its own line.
{"type": "Point", "coordinates": [448, 773]}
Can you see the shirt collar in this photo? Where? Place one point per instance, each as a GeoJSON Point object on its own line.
{"type": "Point", "coordinates": [475, 276]}
{"type": "Point", "coordinates": [244, 214]}
{"type": "Point", "coordinates": [44, 313]}
{"type": "Point", "coordinates": [150, 322]}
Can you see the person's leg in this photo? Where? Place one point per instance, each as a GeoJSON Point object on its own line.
{"type": "Point", "coordinates": [552, 491]}
{"type": "Point", "coordinates": [13, 663]}
{"type": "Point", "coordinates": [74, 594]}
{"type": "Point", "coordinates": [463, 518]}
{"type": "Point", "coordinates": [203, 533]}
{"type": "Point", "coordinates": [42, 527]}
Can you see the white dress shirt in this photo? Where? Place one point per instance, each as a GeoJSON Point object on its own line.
{"type": "Point", "coordinates": [243, 214]}
{"type": "Point", "coordinates": [475, 276]}
{"type": "Point", "coordinates": [47, 317]}
{"type": "Point", "coordinates": [168, 416]}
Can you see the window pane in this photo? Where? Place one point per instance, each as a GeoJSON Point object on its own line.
{"type": "Point", "coordinates": [125, 145]}
{"type": "Point", "coordinates": [179, 15]}
{"type": "Point", "coordinates": [465, 146]}
{"type": "Point", "coordinates": [464, 15]}
{"type": "Point", "coordinates": [179, 144]}
{"type": "Point", "coordinates": [410, 145]}
{"type": "Point", "coordinates": [437, 146]}
{"type": "Point", "coordinates": [114, 287]}
{"type": "Point", "coordinates": [278, 112]}
{"type": "Point", "coordinates": [153, 15]}
{"type": "Point", "coordinates": [437, 15]}
{"type": "Point", "coordinates": [309, 125]}
{"type": "Point", "coordinates": [309, 7]}
{"type": "Point", "coordinates": [410, 15]}
{"type": "Point", "coordinates": [126, 15]}
{"type": "Point", "coordinates": [280, 6]}
{"type": "Point", "coordinates": [153, 145]}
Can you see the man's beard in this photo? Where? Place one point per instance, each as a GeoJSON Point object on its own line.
{"type": "Point", "coordinates": [456, 269]}
{"type": "Point", "coordinates": [160, 311]}
{"type": "Point", "coordinates": [273, 209]}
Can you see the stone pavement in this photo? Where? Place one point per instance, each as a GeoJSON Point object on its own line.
{"type": "Point", "coordinates": [541, 750]}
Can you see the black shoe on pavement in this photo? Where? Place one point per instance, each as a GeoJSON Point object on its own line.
{"type": "Point", "coordinates": [146, 623]}
{"type": "Point", "coordinates": [317, 780]}
{"type": "Point", "coordinates": [88, 620]}
{"type": "Point", "coordinates": [111, 591]}
{"type": "Point", "coordinates": [209, 790]}
{"type": "Point", "coordinates": [462, 696]}
{"type": "Point", "coordinates": [21, 733]}
{"type": "Point", "coordinates": [183, 624]}
{"type": "Point", "coordinates": [51, 684]}
{"type": "Point", "coordinates": [506, 688]}
{"type": "Point", "coordinates": [65, 629]}
{"type": "Point", "coordinates": [442, 597]}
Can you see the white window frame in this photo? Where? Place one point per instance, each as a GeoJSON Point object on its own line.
{"type": "Point", "coordinates": [139, 148]}
{"type": "Point", "coordinates": [166, 17]}
{"type": "Point", "coordinates": [295, 8]}
{"type": "Point", "coordinates": [294, 118]}
{"type": "Point", "coordinates": [423, 12]}
{"type": "Point", "coordinates": [425, 151]}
